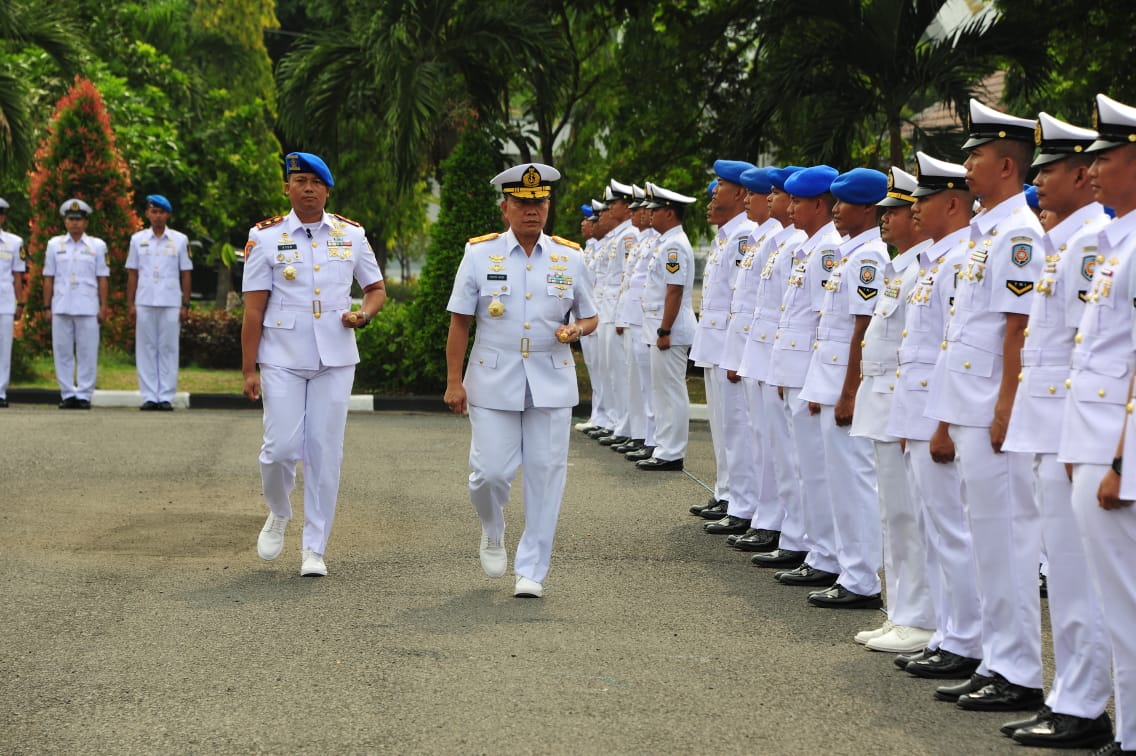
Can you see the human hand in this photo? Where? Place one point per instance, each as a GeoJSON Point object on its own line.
{"type": "Point", "coordinates": [455, 398]}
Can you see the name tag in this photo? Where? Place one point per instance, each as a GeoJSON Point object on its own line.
{"type": "Point", "coordinates": [497, 277]}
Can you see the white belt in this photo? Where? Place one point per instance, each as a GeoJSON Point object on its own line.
{"type": "Point", "coordinates": [524, 344]}
{"type": "Point", "coordinates": [315, 306]}
{"type": "Point", "coordinates": [869, 368]}
{"type": "Point", "coordinates": [1047, 356]}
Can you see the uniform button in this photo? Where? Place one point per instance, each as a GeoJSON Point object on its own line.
{"type": "Point", "coordinates": [943, 345]}
{"type": "Point", "coordinates": [966, 365]}
{"type": "Point", "coordinates": [1053, 389]}
{"type": "Point", "coordinates": [923, 383]}
{"type": "Point", "coordinates": [315, 267]}
{"type": "Point", "coordinates": [816, 345]}
{"type": "Point", "coordinates": [1078, 338]}
{"type": "Point", "coordinates": [317, 316]}
{"type": "Point", "coordinates": [834, 358]}
{"type": "Point", "coordinates": [528, 295]}
{"type": "Point", "coordinates": [898, 373]}
{"type": "Point", "coordinates": [904, 333]}
{"type": "Point", "coordinates": [528, 326]}
{"type": "Point", "coordinates": [481, 362]}
{"type": "Point", "coordinates": [792, 343]}
{"type": "Point", "coordinates": [277, 322]}
{"type": "Point", "coordinates": [713, 322]}
{"type": "Point", "coordinates": [1021, 377]}
{"type": "Point", "coordinates": [782, 308]}
{"type": "Point", "coordinates": [821, 313]}
{"type": "Point", "coordinates": [1100, 393]}
{"type": "Point", "coordinates": [528, 266]}
{"type": "Point", "coordinates": [315, 245]}
{"type": "Point", "coordinates": [1128, 408]}
{"type": "Point", "coordinates": [863, 343]}
{"type": "Point", "coordinates": [952, 311]}
{"type": "Point", "coordinates": [891, 387]}
{"type": "Point", "coordinates": [565, 362]}
{"type": "Point", "coordinates": [1068, 383]}
{"type": "Point", "coordinates": [745, 329]}
{"type": "Point", "coordinates": [1025, 331]}
{"type": "Point", "coordinates": [317, 291]}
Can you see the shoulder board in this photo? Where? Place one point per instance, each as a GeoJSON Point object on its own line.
{"type": "Point", "coordinates": [483, 238]}
{"type": "Point", "coordinates": [269, 222]}
{"type": "Point", "coordinates": [565, 242]}
{"type": "Point", "coordinates": [347, 220]}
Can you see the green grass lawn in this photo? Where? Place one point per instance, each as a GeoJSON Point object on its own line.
{"type": "Point", "coordinates": [117, 373]}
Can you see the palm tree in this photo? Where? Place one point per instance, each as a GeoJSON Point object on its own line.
{"type": "Point", "coordinates": [27, 24]}
{"type": "Point", "coordinates": [848, 71]}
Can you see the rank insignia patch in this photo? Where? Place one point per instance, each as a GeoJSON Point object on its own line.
{"type": "Point", "coordinates": [867, 292]}
{"type": "Point", "coordinates": [1019, 287]}
{"type": "Point", "coordinates": [1021, 254]}
{"type": "Point", "coordinates": [672, 262]}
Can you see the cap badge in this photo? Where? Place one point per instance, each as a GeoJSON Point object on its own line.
{"type": "Point", "coordinates": [293, 164]}
{"type": "Point", "coordinates": [531, 178]}
{"type": "Point", "coordinates": [1037, 134]}
{"type": "Point", "coordinates": [75, 207]}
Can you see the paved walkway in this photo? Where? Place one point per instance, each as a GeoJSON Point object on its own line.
{"type": "Point", "coordinates": [137, 618]}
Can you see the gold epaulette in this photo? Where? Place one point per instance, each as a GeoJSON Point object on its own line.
{"type": "Point", "coordinates": [347, 220]}
{"type": "Point", "coordinates": [485, 237]}
{"type": "Point", "coordinates": [269, 222]}
{"type": "Point", "coordinates": [565, 242]}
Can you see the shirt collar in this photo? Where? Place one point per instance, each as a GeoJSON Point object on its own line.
{"type": "Point", "coordinates": [1120, 229]}
{"type": "Point", "coordinates": [1057, 236]}
{"type": "Point", "coordinates": [1000, 212]}
{"type": "Point", "coordinates": [908, 256]}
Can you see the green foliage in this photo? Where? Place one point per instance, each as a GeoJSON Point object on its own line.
{"type": "Point", "coordinates": [79, 158]}
{"type": "Point", "coordinates": [410, 340]}
{"type": "Point", "coordinates": [211, 339]}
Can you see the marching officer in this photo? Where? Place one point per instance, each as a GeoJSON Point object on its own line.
{"type": "Point", "coordinates": [13, 264]}
{"type": "Point", "coordinates": [299, 331]}
{"type": "Point", "coordinates": [76, 304]}
{"type": "Point", "coordinates": [157, 292]}
{"type": "Point", "coordinates": [520, 386]}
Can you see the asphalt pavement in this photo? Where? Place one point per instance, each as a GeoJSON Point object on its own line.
{"type": "Point", "coordinates": [137, 618]}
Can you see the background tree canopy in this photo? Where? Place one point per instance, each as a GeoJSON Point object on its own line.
{"type": "Point", "coordinates": [204, 96]}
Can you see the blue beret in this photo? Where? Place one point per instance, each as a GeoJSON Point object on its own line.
{"type": "Point", "coordinates": [813, 182]}
{"type": "Point", "coordinates": [711, 187]}
{"type": "Point", "coordinates": [759, 180]}
{"type": "Point", "coordinates": [160, 202]}
{"type": "Point", "coordinates": [586, 209]}
{"type": "Point", "coordinates": [306, 162]}
{"type": "Point", "coordinates": [732, 170]}
{"type": "Point", "coordinates": [860, 186]}
{"type": "Point", "coordinates": [780, 175]}
{"type": "Point", "coordinates": [1031, 196]}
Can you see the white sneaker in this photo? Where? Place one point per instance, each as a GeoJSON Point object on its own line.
{"type": "Point", "coordinates": [271, 540]}
{"type": "Point", "coordinates": [864, 636]}
{"type": "Point", "coordinates": [312, 564]}
{"type": "Point", "coordinates": [493, 558]}
{"type": "Point", "coordinates": [526, 588]}
{"type": "Point", "coordinates": [901, 640]}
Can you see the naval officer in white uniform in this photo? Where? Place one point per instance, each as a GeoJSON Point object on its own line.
{"type": "Point", "coordinates": [13, 264]}
{"type": "Point", "coordinates": [157, 292]}
{"type": "Point", "coordinates": [75, 289]}
{"type": "Point", "coordinates": [520, 386]}
{"type": "Point", "coordinates": [299, 331]}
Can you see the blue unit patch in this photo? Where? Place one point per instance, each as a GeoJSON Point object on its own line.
{"type": "Point", "coordinates": [867, 273]}
{"type": "Point", "coordinates": [1088, 266]}
{"type": "Point", "coordinates": [828, 260]}
{"type": "Point", "coordinates": [1021, 254]}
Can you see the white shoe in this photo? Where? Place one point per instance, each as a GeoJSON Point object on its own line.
{"type": "Point", "coordinates": [901, 640]}
{"type": "Point", "coordinates": [312, 564]}
{"type": "Point", "coordinates": [864, 636]}
{"type": "Point", "coordinates": [526, 588]}
{"type": "Point", "coordinates": [585, 426]}
{"type": "Point", "coordinates": [493, 558]}
{"type": "Point", "coordinates": [271, 540]}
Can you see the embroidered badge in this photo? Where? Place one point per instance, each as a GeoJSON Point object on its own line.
{"type": "Point", "coordinates": [1088, 266]}
{"type": "Point", "coordinates": [249, 248]}
{"type": "Point", "coordinates": [672, 262]}
{"type": "Point", "coordinates": [867, 273]}
{"type": "Point", "coordinates": [1083, 295]}
{"type": "Point", "coordinates": [1019, 287]}
{"type": "Point", "coordinates": [1021, 254]}
{"type": "Point", "coordinates": [828, 260]}
{"type": "Point", "coordinates": [867, 292]}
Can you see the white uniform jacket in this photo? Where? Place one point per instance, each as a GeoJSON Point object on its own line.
{"type": "Point", "coordinates": [77, 267]}
{"type": "Point", "coordinates": [309, 280]}
{"type": "Point", "coordinates": [519, 302]}
{"type": "Point", "coordinates": [772, 279]}
{"type": "Point", "coordinates": [744, 298]}
{"type": "Point", "coordinates": [159, 261]}
{"type": "Point", "coordinates": [671, 263]}
{"type": "Point", "coordinates": [13, 259]}
{"type": "Point", "coordinates": [726, 255]}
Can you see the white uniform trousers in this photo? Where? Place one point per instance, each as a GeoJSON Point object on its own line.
{"type": "Point", "coordinates": [589, 347]}
{"type": "Point", "coordinates": [1005, 528]}
{"type": "Point", "coordinates": [75, 346]}
{"type": "Point", "coordinates": [951, 574]}
{"type": "Point", "coordinates": [782, 455]}
{"type": "Point", "coordinates": [1082, 654]}
{"type": "Point", "coordinates": [1108, 537]}
{"type": "Point", "coordinates": [156, 352]}
{"type": "Point", "coordinates": [6, 334]}
{"type": "Point", "coordinates": [636, 425]}
{"type": "Point", "coordinates": [809, 443]}
{"type": "Point", "coordinates": [604, 333]}
{"type": "Point", "coordinates": [768, 514]}
{"type": "Point", "coordinates": [855, 504]}
{"type": "Point", "coordinates": [305, 413]}
{"type": "Point", "coordinates": [671, 401]}
{"type": "Point", "coordinates": [616, 389]}
{"type": "Point", "coordinates": [713, 378]}
{"type": "Point", "coordinates": [905, 565]}
{"type": "Point", "coordinates": [739, 449]}
{"type": "Point", "coordinates": [639, 372]}
{"type": "Point", "coordinates": [502, 442]}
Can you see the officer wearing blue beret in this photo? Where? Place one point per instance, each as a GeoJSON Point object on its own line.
{"type": "Point", "coordinates": [157, 292]}
{"type": "Point", "coordinates": [13, 265]}
{"type": "Point", "coordinates": [299, 332]}
{"type": "Point", "coordinates": [520, 385]}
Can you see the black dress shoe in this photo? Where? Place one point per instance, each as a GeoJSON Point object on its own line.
{"type": "Point", "coordinates": [944, 665]}
{"type": "Point", "coordinates": [1042, 585]}
{"type": "Point", "coordinates": [902, 660]}
{"type": "Point", "coordinates": [733, 538]}
{"type": "Point", "coordinates": [1001, 695]}
{"type": "Point", "coordinates": [165, 407]}
{"type": "Point", "coordinates": [780, 558]}
{"type": "Point", "coordinates": [718, 511]}
{"type": "Point", "coordinates": [726, 525]}
{"type": "Point", "coordinates": [1111, 749]}
{"type": "Point", "coordinates": [598, 433]}
{"type": "Point", "coordinates": [68, 403]}
{"type": "Point", "coordinates": [952, 692]}
{"type": "Point", "coordinates": [697, 509]}
{"type": "Point", "coordinates": [634, 444]}
{"type": "Point", "coordinates": [839, 597]}
{"type": "Point", "coordinates": [1042, 714]}
{"type": "Point", "coordinates": [82, 404]}
{"type": "Point", "coordinates": [614, 440]}
{"type": "Point", "coordinates": [659, 465]}
{"type": "Point", "coordinates": [149, 407]}
{"type": "Point", "coordinates": [805, 575]}
{"type": "Point", "coordinates": [3, 403]}
{"type": "Point", "coordinates": [760, 540]}
{"type": "Point", "coordinates": [1065, 731]}
{"type": "Point", "coordinates": [644, 452]}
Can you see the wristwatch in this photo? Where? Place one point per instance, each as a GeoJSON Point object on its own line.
{"type": "Point", "coordinates": [1116, 464]}
{"type": "Point", "coordinates": [663, 331]}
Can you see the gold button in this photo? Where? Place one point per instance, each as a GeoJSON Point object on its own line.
{"type": "Point", "coordinates": [782, 308]}
{"type": "Point", "coordinates": [943, 345]}
{"type": "Point", "coordinates": [1078, 338]}
{"type": "Point", "coordinates": [971, 245]}
{"type": "Point", "coordinates": [1053, 389]}
{"type": "Point", "coordinates": [898, 373]}
{"type": "Point", "coordinates": [1068, 383]}
{"type": "Point", "coordinates": [528, 266]}
{"type": "Point", "coordinates": [952, 311]}
{"type": "Point", "coordinates": [317, 316]}
{"type": "Point", "coordinates": [713, 322]}
{"type": "Point", "coordinates": [315, 245]}
{"type": "Point", "coordinates": [277, 322]}
{"type": "Point", "coordinates": [891, 387]}
{"type": "Point", "coordinates": [834, 358]}
{"type": "Point", "coordinates": [1021, 377]}
{"type": "Point", "coordinates": [1100, 258]}
{"type": "Point", "coordinates": [863, 344]}
{"type": "Point", "coordinates": [1100, 393]}
{"type": "Point", "coordinates": [528, 295]}
{"type": "Point", "coordinates": [565, 362]}
{"type": "Point", "coordinates": [528, 326]}
{"type": "Point", "coordinates": [904, 333]}
{"type": "Point", "coordinates": [317, 291]}
{"type": "Point", "coordinates": [762, 337]}
{"type": "Point", "coordinates": [745, 329]}
{"type": "Point", "coordinates": [792, 343]}
{"type": "Point", "coordinates": [923, 383]}
{"type": "Point", "coordinates": [816, 345]}
{"type": "Point", "coordinates": [481, 362]}
{"type": "Point", "coordinates": [966, 365]}
{"type": "Point", "coordinates": [1128, 408]}
{"type": "Point", "coordinates": [315, 267]}
{"type": "Point", "coordinates": [1025, 331]}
